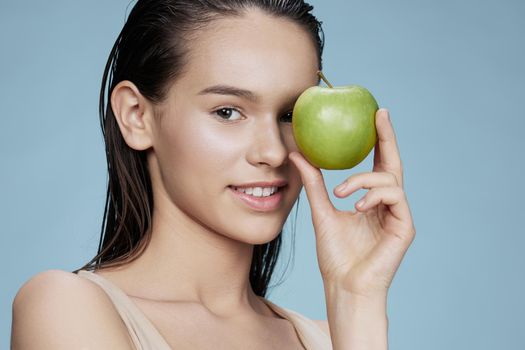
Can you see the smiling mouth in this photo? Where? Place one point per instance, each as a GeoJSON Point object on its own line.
{"type": "Point", "coordinates": [268, 203]}
{"type": "Point", "coordinates": [240, 189]}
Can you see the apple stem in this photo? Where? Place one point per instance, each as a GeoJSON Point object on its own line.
{"type": "Point", "coordinates": [324, 79]}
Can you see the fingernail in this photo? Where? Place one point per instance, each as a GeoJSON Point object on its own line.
{"type": "Point", "coordinates": [387, 114]}
{"type": "Point", "coordinates": [360, 203]}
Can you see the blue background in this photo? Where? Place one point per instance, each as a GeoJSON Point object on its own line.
{"type": "Point", "coordinates": [452, 75]}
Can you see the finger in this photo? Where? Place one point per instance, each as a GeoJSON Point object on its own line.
{"type": "Point", "coordinates": [393, 197]}
{"type": "Point", "coordinates": [386, 151]}
{"type": "Point", "coordinates": [313, 182]}
{"type": "Point", "coordinates": [365, 180]}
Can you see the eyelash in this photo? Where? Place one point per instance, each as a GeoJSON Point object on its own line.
{"type": "Point", "coordinates": [233, 109]}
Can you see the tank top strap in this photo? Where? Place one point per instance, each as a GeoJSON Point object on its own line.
{"type": "Point", "coordinates": [310, 334]}
{"type": "Point", "coordinates": [145, 336]}
{"type": "Point", "coordinates": [143, 333]}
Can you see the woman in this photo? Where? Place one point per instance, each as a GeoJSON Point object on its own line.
{"type": "Point", "coordinates": [203, 172]}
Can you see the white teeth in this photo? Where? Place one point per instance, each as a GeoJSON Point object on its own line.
{"type": "Point", "coordinates": [258, 191]}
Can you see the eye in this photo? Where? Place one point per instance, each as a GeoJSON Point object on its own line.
{"type": "Point", "coordinates": [288, 117]}
{"type": "Point", "coordinates": [225, 113]}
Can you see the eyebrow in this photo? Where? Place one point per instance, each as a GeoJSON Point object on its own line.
{"type": "Point", "coordinates": [231, 90]}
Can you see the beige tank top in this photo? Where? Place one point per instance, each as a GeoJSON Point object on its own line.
{"type": "Point", "coordinates": [146, 337]}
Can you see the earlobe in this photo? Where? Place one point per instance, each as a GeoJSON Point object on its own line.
{"type": "Point", "coordinates": [132, 112]}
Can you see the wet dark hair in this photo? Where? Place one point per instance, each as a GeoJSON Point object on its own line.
{"type": "Point", "coordinates": [152, 51]}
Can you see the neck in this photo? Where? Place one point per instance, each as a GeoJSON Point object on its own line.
{"type": "Point", "coordinates": [186, 262]}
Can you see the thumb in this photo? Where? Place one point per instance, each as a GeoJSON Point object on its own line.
{"type": "Point", "coordinates": [314, 185]}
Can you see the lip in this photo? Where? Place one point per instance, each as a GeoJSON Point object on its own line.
{"type": "Point", "coordinates": [262, 204]}
{"type": "Point", "coordinates": [277, 182]}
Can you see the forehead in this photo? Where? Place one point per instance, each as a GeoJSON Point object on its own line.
{"type": "Point", "coordinates": [256, 51]}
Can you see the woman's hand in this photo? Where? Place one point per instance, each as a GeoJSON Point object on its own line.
{"type": "Point", "coordinates": [360, 251]}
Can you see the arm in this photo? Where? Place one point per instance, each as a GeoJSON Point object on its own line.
{"type": "Point", "coordinates": [360, 251]}
{"type": "Point", "coordinates": [59, 310]}
{"type": "Point", "coordinates": [356, 322]}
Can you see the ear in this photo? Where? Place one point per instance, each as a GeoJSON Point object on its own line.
{"type": "Point", "coordinates": [133, 113]}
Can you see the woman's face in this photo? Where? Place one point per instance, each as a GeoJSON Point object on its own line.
{"type": "Point", "coordinates": [208, 140]}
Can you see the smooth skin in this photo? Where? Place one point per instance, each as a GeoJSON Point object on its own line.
{"type": "Point", "coordinates": [192, 281]}
{"type": "Point", "coordinates": [201, 235]}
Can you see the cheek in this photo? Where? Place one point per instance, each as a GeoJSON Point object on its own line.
{"type": "Point", "coordinates": [289, 139]}
{"type": "Point", "coordinates": [294, 181]}
{"type": "Point", "coordinates": [220, 148]}
{"type": "Point", "coordinates": [198, 152]}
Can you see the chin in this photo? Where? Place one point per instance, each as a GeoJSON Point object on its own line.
{"type": "Point", "coordinates": [256, 236]}
{"type": "Point", "coordinates": [264, 240]}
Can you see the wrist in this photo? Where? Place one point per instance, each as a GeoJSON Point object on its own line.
{"type": "Point", "coordinates": [362, 299]}
{"type": "Point", "coordinates": [357, 321]}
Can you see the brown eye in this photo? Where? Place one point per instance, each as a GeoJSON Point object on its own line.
{"type": "Point", "coordinates": [225, 113]}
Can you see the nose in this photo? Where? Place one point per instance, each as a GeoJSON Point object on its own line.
{"type": "Point", "coordinates": [267, 146]}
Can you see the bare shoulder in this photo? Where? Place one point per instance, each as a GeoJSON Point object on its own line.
{"type": "Point", "coordinates": [57, 309]}
{"type": "Point", "coordinates": [323, 324]}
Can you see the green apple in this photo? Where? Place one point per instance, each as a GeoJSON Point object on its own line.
{"type": "Point", "coordinates": [334, 127]}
